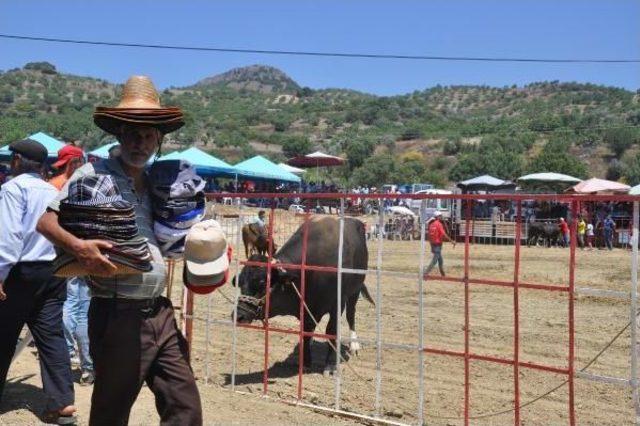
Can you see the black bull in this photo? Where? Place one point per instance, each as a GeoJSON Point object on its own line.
{"type": "Point", "coordinates": [320, 287]}
{"type": "Point", "coordinates": [548, 232]}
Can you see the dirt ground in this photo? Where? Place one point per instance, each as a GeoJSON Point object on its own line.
{"type": "Point", "coordinates": [23, 403]}
{"type": "Point", "coordinates": [543, 339]}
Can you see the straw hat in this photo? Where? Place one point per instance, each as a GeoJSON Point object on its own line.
{"type": "Point", "coordinates": [139, 105]}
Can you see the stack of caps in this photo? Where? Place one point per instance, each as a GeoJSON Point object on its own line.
{"type": "Point", "coordinates": [95, 210]}
{"type": "Point", "coordinates": [178, 203]}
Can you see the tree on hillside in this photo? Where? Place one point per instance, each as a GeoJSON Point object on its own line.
{"type": "Point", "coordinates": [43, 67]}
{"type": "Point", "coordinates": [631, 170]}
{"type": "Point", "coordinates": [493, 156]}
{"type": "Point", "coordinates": [621, 139]}
{"type": "Point", "coordinates": [555, 157]}
{"type": "Point", "coordinates": [295, 145]}
{"type": "Point", "coordinates": [384, 168]}
{"type": "Point", "coordinates": [376, 172]}
{"type": "Point", "coordinates": [358, 150]}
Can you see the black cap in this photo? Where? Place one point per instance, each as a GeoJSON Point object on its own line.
{"type": "Point", "coordinates": [30, 149]}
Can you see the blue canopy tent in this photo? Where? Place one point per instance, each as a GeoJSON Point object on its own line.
{"type": "Point", "coordinates": [103, 151]}
{"type": "Point", "coordinates": [206, 164]}
{"type": "Point", "coordinates": [52, 144]}
{"type": "Point", "coordinates": [173, 155]}
{"type": "Point", "coordinates": [259, 168]}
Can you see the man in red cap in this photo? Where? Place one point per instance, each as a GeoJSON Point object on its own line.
{"type": "Point", "coordinates": [70, 158]}
{"type": "Point", "coordinates": [76, 307]}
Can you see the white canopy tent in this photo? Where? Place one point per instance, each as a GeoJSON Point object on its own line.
{"type": "Point", "coordinates": [549, 177]}
{"type": "Point", "coordinates": [291, 169]}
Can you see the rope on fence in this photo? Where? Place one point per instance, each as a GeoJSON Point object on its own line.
{"type": "Point", "coordinates": [538, 398]}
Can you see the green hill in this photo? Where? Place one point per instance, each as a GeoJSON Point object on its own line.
{"type": "Point", "coordinates": [438, 134]}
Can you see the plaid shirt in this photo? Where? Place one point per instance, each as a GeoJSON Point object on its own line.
{"type": "Point", "coordinates": [143, 286]}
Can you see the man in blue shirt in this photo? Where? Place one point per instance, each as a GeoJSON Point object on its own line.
{"type": "Point", "coordinates": [609, 227]}
{"type": "Point", "coordinates": [29, 293]}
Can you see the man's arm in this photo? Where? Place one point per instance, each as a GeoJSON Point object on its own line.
{"type": "Point", "coordinates": [445, 235]}
{"type": "Point", "coordinates": [86, 251]}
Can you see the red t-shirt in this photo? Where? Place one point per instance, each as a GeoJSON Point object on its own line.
{"type": "Point", "coordinates": [436, 232]}
{"type": "Point", "coordinates": [564, 228]}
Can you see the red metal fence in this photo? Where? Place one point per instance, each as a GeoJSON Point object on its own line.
{"type": "Point", "coordinates": [563, 365]}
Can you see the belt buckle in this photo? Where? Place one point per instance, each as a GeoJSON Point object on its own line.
{"type": "Point", "coordinates": [149, 307]}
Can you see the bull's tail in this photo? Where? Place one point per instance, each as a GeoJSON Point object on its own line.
{"type": "Point", "coordinates": [365, 292]}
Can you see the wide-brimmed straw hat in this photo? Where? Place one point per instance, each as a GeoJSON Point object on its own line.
{"type": "Point", "coordinates": [140, 105]}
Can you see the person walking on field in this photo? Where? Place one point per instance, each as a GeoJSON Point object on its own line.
{"type": "Point", "coordinates": [437, 235]}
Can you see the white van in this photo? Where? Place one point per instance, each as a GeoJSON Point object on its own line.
{"type": "Point", "coordinates": [433, 204]}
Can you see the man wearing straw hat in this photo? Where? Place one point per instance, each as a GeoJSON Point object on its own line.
{"type": "Point", "coordinates": [133, 334]}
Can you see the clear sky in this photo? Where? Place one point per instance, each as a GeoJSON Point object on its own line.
{"type": "Point", "coordinates": [517, 28]}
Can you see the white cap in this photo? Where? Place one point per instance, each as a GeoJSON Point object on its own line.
{"type": "Point", "coordinates": [205, 251]}
{"type": "Point", "coordinates": [437, 213]}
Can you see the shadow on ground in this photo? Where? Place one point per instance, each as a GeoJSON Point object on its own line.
{"type": "Point", "coordinates": [289, 367]}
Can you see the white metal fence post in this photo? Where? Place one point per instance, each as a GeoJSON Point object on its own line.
{"type": "Point", "coordinates": [423, 244]}
{"type": "Point", "coordinates": [207, 339]}
{"type": "Point", "coordinates": [339, 309]}
{"type": "Point", "coordinates": [234, 327]}
{"type": "Point", "coordinates": [378, 307]}
{"type": "Point", "coordinates": [634, 311]}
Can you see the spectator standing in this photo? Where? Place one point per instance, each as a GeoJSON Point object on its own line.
{"type": "Point", "coordinates": [76, 308]}
{"type": "Point", "coordinates": [29, 293]}
{"type": "Point", "coordinates": [590, 236]}
{"type": "Point", "coordinates": [582, 228]}
{"type": "Point", "coordinates": [609, 228]}
{"type": "Point", "coordinates": [564, 229]}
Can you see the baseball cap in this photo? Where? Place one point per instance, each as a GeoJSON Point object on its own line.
{"type": "Point", "coordinates": [67, 153]}
{"type": "Point", "coordinates": [437, 213]}
{"type": "Point", "coordinates": [206, 256]}
{"type": "Point", "coordinates": [30, 149]}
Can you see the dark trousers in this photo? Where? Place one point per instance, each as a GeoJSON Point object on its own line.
{"type": "Point", "coordinates": [35, 298]}
{"type": "Point", "coordinates": [130, 344]}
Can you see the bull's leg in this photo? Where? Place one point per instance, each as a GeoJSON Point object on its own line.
{"type": "Point", "coordinates": [331, 360]}
{"type": "Point", "coordinates": [309, 326]}
{"type": "Point", "coordinates": [354, 345]}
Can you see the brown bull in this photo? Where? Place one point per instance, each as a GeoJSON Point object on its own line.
{"type": "Point", "coordinates": [254, 240]}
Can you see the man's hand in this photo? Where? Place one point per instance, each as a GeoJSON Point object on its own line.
{"type": "Point", "coordinates": [88, 254]}
{"type": "Point", "coordinates": [3, 295]}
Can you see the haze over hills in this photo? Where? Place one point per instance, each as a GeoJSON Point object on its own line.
{"type": "Point", "coordinates": [439, 134]}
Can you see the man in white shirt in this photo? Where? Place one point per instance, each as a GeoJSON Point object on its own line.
{"type": "Point", "coordinates": [29, 293]}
